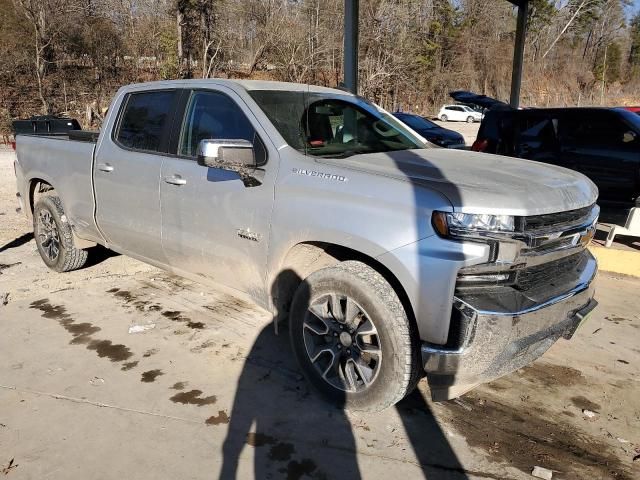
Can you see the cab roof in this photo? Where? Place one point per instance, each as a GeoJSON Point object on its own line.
{"type": "Point", "coordinates": [248, 85]}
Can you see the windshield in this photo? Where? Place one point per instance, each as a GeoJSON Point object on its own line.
{"type": "Point", "coordinates": [333, 126]}
{"type": "Point", "coordinates": [416, 122]}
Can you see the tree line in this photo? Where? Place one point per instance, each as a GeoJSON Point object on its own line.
{"type": "Point", "coordinates": [70, 56]}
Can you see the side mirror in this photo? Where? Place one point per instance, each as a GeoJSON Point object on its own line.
{"type": "Point", "coordinates": [228, 154]}
{"type": "Point", "coordinates": [234, 155]}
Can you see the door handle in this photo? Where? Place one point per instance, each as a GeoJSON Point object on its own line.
{"type": "Point", "coordinates": [175, 180]}
{"type": "Point", "coordinates": [105, 167]}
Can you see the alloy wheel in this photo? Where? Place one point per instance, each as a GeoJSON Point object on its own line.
{"type": "Point", "coordinates": [342, 342]}
{"type": "Point", "coordinates": [48, 235]}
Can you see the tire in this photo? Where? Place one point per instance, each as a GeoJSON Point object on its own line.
{"type": "Point", "coordinates": [52, 233]}
{"type": "Point", "coordinates": [354, 378]}
{"type": "Point", "coordinates": [470, 120]}
{"type": "Point", "coordinates": [444, 118]}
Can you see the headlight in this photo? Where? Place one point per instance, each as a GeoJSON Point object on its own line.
{"type": "Point", "coordinates": [461, 224]}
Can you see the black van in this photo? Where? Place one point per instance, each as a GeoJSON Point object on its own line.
{"type": "Point", "coordinates": [602, 143]}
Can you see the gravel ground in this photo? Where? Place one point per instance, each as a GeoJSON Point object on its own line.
{"type": "Point", "coordinates": [206, 390]}
{"type": "Point", "coordinates": [468, 130]}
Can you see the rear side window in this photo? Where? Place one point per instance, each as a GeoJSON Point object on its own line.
{"type": "Point", "coordinates": [594, 128]}
{"type": "Point", "coordinates": [213, 116]}
{"type": "Point", "coordinates": [542, 128]}
{"type": "Point", "coordinates": [144, 119]}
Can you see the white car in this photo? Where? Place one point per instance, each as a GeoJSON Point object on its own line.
{"type": "Point", "coordinates": [459, 113]}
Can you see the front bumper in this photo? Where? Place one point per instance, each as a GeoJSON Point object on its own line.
{"type": "Point", "coordinates": [503, 333]}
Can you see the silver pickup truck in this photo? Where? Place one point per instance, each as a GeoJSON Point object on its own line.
{"type": "Point", "coordinates": [387, 258]}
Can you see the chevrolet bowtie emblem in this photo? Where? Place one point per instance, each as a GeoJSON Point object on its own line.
{"type": "Point", "coordinates": [586, 236]}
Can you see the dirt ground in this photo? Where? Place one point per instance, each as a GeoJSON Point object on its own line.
{"type": "Point", "coordinates": [468, 130]}
{"type": "Point", "coordinates": [208, 391]}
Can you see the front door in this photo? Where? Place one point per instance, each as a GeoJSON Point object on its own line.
{"type": "Point", "coordinates": [596, 144]}
{"type": "Point", "coordinates": [127, 173]}
{"type": "Point", "coordinates": [213, 225]}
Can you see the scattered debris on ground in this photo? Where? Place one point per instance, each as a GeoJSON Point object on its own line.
{"type": "Point", "coordinates": [463, 404]}
{"type": "Point", "coordinates": [141, 328]}
{"type": "Point", "coordinates": [9, 467]}
{"type": "Point", "coordinates": [540, 472]}
{"type": "Point", "coordinates": [96, 381]}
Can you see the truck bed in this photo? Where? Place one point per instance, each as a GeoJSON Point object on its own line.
{"type": "Point", "coordinates": [73, 135]}
{"type": "Point", "coordinates": [66, 161]}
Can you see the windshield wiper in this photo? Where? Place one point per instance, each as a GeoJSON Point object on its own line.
{"type": "Point", "coordinates": [345, 154]}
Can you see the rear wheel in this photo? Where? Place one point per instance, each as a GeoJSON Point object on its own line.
{"type": "Point", "coordinates": [352, 338]}
{"type": "Point", "coordinates": [444, 118]}
{"type": "Point", "coordinates": [470, 119]}
{"type": "Point", "coordinates": [53, 236]}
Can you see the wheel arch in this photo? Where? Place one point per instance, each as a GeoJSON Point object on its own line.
{"type": "Point", "coordinates": [306, 257]}
{"type": "Point", "coordinates": [36, 187]}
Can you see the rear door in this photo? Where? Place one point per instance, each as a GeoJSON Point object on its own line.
{"type": "Point", "coordinates": [594, 143]}
{"type": "Point", "coordinates": [127, 173]}
{"type": "Point", "coordinates": [536, 138]}
{"type": "Point", "coordinates": [213, 225]}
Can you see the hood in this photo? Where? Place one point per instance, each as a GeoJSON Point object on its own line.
{"type": "Point", "coordinates": [479, 100]}
{"type": "Point", "coordinates": [481, 183]}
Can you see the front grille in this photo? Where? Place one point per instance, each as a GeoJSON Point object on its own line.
{"type": "Point", "coordinates": [551, 220]}
{"type": "Point", "coordinates": [548, 273]}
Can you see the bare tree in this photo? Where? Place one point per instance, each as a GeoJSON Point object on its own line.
{"type": "Point", "coordinates": [38, 13]}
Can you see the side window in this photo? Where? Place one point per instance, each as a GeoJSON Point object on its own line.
{"type": "Point", "coordinates": [537, 135]}
{"type": "Point", "coordinates": [143, 120]}
{"type": "Point", "coordinates": [334, 127]}
{"type": "Point", "coordinates": [212, 115]}
{"type": "Point", "coordinates": [594, 129]}
{"type": "Point", "coordinates": [541, 128]}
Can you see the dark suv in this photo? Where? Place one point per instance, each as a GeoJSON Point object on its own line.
{"type": "Point", "coordinates": [443, 137]}
{"type": "Point", "coordinates": [602, 143]}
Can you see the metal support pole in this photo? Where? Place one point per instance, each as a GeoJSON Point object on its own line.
{"type": "Point", "coordinates": [518, 53]}
{"type": "Point", "coordinates": [351, 16]}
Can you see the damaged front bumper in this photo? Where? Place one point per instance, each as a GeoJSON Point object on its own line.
{"type": "Point", "coordinates": [503, 329]}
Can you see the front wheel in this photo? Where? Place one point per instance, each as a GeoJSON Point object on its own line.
{"type": "Point", "coordinates": [444, 118]}
{"type": "Point", "coordinates": [54, 237]}
{"type": "Point", "coordinates": [470, 120]}
{"type": "Point", "coordinates": [352, 337]}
